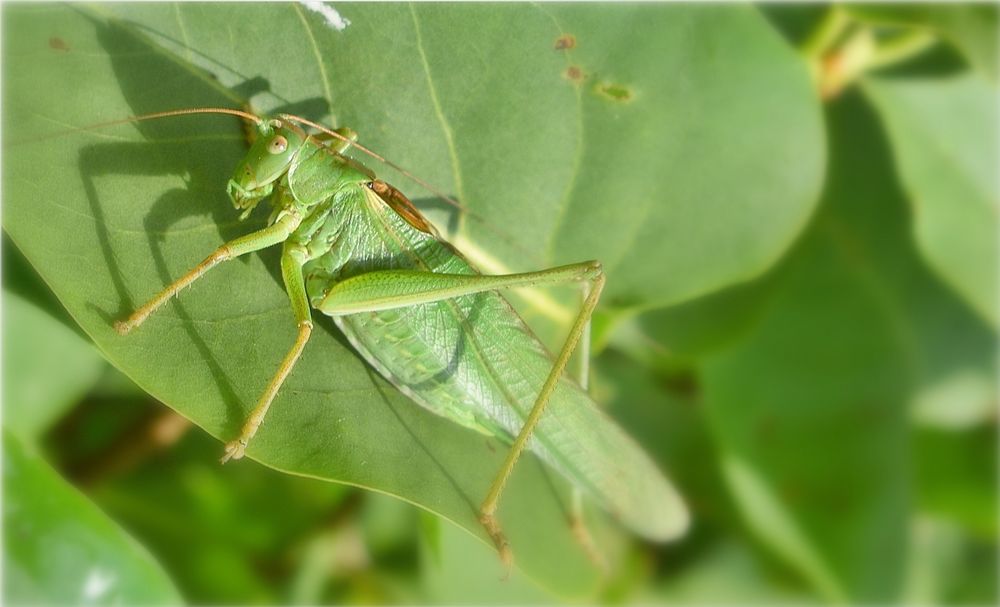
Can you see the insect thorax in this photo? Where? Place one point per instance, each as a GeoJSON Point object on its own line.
{"type": "Point", "coordinates": [317, 173]}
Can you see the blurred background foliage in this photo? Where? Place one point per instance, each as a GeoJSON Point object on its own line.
{"type": "Point", "coordinates": [824, 393]}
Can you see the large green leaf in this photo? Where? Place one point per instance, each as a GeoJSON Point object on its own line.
{"type": "Point", "coordinates": [728, 574]}
{"type": "Point", "coordinates": [680, 144]}
{"type": "Point", "coordinates": [46, 367]}
{"type": "Point", "coordinates": [215, 529]}
{"type": "Point", "coordinates": [665, 415]}
{"type": "Point", "coordinates": [668, 142]}
{"type": "Point", "coordinates": [810, 405]}
{"type": "Point", "coordinates": [941, 130]}
{"type": "Point", "coordinates": [48, 363]}
{"type": "Point", "coordinates": [59, 549]}
{"type": "Point", "coordinates": [455, 571]}
{"type": "Point", "coordinates": [690, 330]}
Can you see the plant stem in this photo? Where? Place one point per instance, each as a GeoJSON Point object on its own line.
{"type": "Point", "coordinates": [901, 48]}
{"type": "Point", "coordinates": [829, 30]}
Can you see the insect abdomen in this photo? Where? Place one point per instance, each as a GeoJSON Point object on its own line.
{"type": "Point", "coordinates": [473, 360]}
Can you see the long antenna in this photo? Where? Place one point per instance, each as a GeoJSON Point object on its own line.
{"type": "Point", "coordinates": [167, 114]}
{"type": "Point", "coordinates": [153, 116]}
{"type": "Point", "coordinates": [293, 118]}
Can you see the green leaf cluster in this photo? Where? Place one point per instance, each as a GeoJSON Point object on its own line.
{"type": "Point", "coordinates": [799, 324]}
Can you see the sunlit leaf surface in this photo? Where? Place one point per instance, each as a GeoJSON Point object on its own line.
{"type": "Point", "coordinates": [949, 165]}
{"type": "Point", "coordinates": [60, 549]}
{"type": "Point", "coordinates": [685, 135]}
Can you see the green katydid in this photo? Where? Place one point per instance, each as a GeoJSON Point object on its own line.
{"type": "Point", "coordinates": [356, 249]}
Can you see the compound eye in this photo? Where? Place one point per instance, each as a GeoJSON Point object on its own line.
{"type": "Point", "coordinates": [278, 145]}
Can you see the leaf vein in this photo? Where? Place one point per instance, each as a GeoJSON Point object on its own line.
{"type": "Point", "coordinates": [184, 34]}
{"type": "Point", "coordinates": [324, 78]}
{"type": "Point", "coordinates": [438, 111]}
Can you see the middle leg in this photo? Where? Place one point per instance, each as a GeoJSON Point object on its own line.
{"type": "Point", "coordinates": [293, 256]}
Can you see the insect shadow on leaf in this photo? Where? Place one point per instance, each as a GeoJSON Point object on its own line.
{"type": "Point", "coordinates": [169, 150]}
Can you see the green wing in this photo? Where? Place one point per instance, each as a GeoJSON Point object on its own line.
{"type": "Point", "coordinates": [473, 360]}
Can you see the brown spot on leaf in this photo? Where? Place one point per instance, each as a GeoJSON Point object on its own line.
{"type": "Point", "coordinates": [615, 92]}
{"type": "Point", "coordinates": [574, 74]}
{"type": "Point", "coordinates": [58, 44]}
{"type": "Point", "coordinates": [565, 42]}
